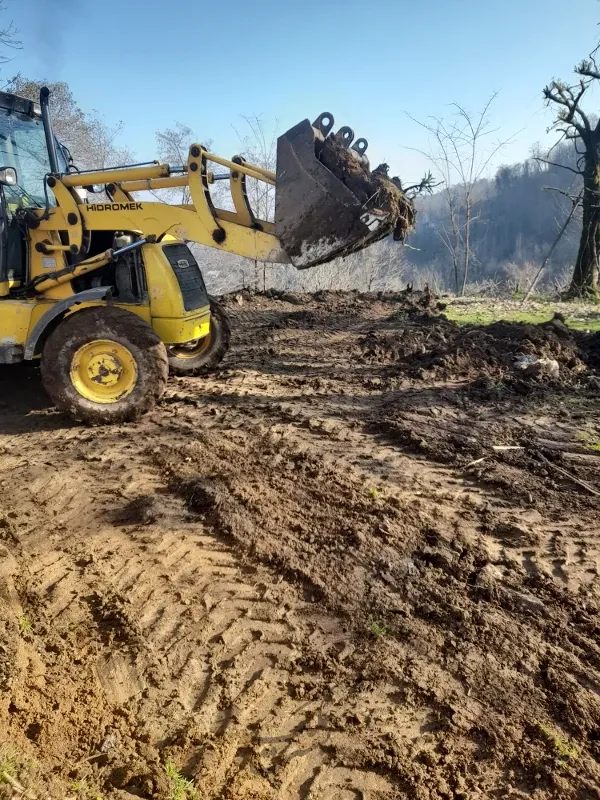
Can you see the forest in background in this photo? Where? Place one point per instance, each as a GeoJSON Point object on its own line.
{"type": "Point", "coordinates": [517, 215]}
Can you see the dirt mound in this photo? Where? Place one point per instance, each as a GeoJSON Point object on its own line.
{"type": "Point", "coordinates": [590, 345]}
{"type": "Point", "coordinates": [413, 303]}
{"type": "Point", "coordinates": [515, 353]}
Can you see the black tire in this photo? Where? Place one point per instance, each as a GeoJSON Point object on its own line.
{"type": "Point", "coordinates": [147, 375]}
{"type": "Point", "coordinates": [195, 359]}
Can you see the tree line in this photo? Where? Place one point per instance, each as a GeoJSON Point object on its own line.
{"type": "Point", "coordinates": [515, 219]}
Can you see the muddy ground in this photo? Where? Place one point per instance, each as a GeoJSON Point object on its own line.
{"type": "Point", "coordinates": [359, 561]}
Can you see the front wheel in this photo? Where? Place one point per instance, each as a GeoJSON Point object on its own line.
{"type": "Point", "coordinates": [104, 365]}
{"type": "Point", "coordinates": [201, 355]}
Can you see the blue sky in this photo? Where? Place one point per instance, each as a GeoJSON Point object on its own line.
{"type": "Point", "coordinates": [205, 64]}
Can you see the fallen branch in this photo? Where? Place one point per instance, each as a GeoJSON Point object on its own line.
{"type": "Point", "coordinates": [477, 461]}
{"type": "Point", "coordinates": [575, 204]}
{"type": "Point", "coordinates": [16, 786]}
{"type": "Point", "coordinates": [572, 477]}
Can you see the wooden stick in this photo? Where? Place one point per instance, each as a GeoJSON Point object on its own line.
{"type": "Point", "coordinates": [16, 786]}
{"type": "Point", "coordinates": [564, 472]}
{"type": "Point", "coordinates": [477, 461]}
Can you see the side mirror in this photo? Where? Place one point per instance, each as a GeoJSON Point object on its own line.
{"type": "Point", "coordinates": [8, 176]}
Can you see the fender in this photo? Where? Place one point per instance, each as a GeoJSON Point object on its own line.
{"type": "Point", "coordinates": [47, 323]}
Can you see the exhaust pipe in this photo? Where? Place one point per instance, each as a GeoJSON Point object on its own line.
{"type": "Point", "coordinates": [50, 140]}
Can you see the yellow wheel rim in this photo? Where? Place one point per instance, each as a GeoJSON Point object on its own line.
{"type": "Point", "coordinates": [191, 349]}
{"type": "Point", "coordinates": [103, 371]}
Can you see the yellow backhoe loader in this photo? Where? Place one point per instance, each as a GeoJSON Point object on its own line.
{"type": "Point", "coordinates": [108, 294]}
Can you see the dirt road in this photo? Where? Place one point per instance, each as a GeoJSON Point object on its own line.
{"type": "Point", "coordinates": [360, 561]}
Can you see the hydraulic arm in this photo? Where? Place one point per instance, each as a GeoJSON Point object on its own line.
{"type": "Point", "coordinates": [327, 202]}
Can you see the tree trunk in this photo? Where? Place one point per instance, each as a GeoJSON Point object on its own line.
{"type": "Point", "coordinates": [553, 247]}
{"type": "Point", "coordinates": [585, 276]}
{"type": "Point", "coordinates": [467, 252]}
{"type": "Point", "coordinates": [456, 279]}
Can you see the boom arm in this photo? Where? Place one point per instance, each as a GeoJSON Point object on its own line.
{"type": "Point", "coordinates": [238, 231]}
{"type": "Point", "coordinates": [328, 203]}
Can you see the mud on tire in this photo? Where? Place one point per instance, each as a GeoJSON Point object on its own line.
{"type": "Point", "coordinates": [207, 355]}
{"type": "Point", "coordinates": [113, 325]}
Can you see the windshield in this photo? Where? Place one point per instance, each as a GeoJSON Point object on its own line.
{"type": "Point", "coordinates": [23, 146]}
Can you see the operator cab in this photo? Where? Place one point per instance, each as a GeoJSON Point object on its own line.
{"type": "Point", "coordinates": [24, 152]}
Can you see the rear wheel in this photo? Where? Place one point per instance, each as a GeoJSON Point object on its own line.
{"type": "Point", "coordinates": [104, 365]}
{"type": "Point", "coordinates": [201, 355]}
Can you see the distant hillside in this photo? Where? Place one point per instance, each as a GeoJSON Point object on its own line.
{"type": "Point", "coordinates": [516, 221]}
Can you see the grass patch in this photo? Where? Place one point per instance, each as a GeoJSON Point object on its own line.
{"type": "Point", "coordinates": [466, 316]}
{"type": "Point", "coordinates": [578, 317]}
{"type": "Point", "coordinates": [563, 749]}
{"type": "Point", "coordinates": [378, 629]}
{"type": "Point", "coordinates": [84, 791]}
{"type": "Point", "coordinates": [180, 788]}
{"type": "Point", "coordinates": [25, 624]}
{"type": "Point", "coordinates": [589, 441]}
{"type": "Point", "coordinates": [17, 772]}
{"type": "Point", "coordinates": [10, 764]}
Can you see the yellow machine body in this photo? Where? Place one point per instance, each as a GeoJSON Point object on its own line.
{"type": "Point", "coordinates": [67, 252]}
{"type": "Point", "coordinates": [58, 237]}
{"type": "Point", "coordinates": [163, 308]}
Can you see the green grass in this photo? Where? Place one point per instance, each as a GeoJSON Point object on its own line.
{"type": "Point", "coordinates": [180, 788]}
{"type": "Point", "coordinates": [18, 772]}
{"type": "Point", "coordinates": [464, 315]}
{"type": "Point", "coordinates": [84, 791]}
{"type": "Point", "coordinates": [25, 624]}
{"type": "Point", "coordinates": [589, 441]}
{"type": "Point", "coordinates": [10, 764]}
{"type": "Point", "coordinates": [378, 629]}
{"type": "Point", "coordinates": [563, 749]}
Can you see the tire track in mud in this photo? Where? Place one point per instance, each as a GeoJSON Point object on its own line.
{"type": "Point", "coordinates": [200, 650]}
{"type": "Point", "coordinates": [554, 544]}
{"type": "Point", "coordinates": [427, 657]}
{"type": "Point", "coordinates": [467, 635]}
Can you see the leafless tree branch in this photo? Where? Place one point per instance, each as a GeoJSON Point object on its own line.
{"type": "Point", "coordinates": [556, 164]}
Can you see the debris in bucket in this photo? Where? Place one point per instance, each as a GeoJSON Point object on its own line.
{"type": "Point", "coordinates": [374, 189]}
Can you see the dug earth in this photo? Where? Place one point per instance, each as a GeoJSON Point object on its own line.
{"type": "Point", "coordinates": [361, 560]}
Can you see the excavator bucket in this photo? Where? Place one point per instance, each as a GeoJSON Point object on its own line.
{"type": "Point", "coordinates": [328, 203]}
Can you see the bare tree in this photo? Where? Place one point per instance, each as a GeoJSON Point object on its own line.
{"type": "Point", "coordinates": [258, 144]}
{"type": "Point", "coordinates": [575, 124]}
{"type": "Point", "coordinates": [460, 152]}
{"type": "Point", "coordinates": [8, 38]}
{"type": "Point", "coordinates": [172, 146]}
{"type": "Point", "coordinates": [575, 204]}
{"type": "Point", "coordinates": [91, 141]}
